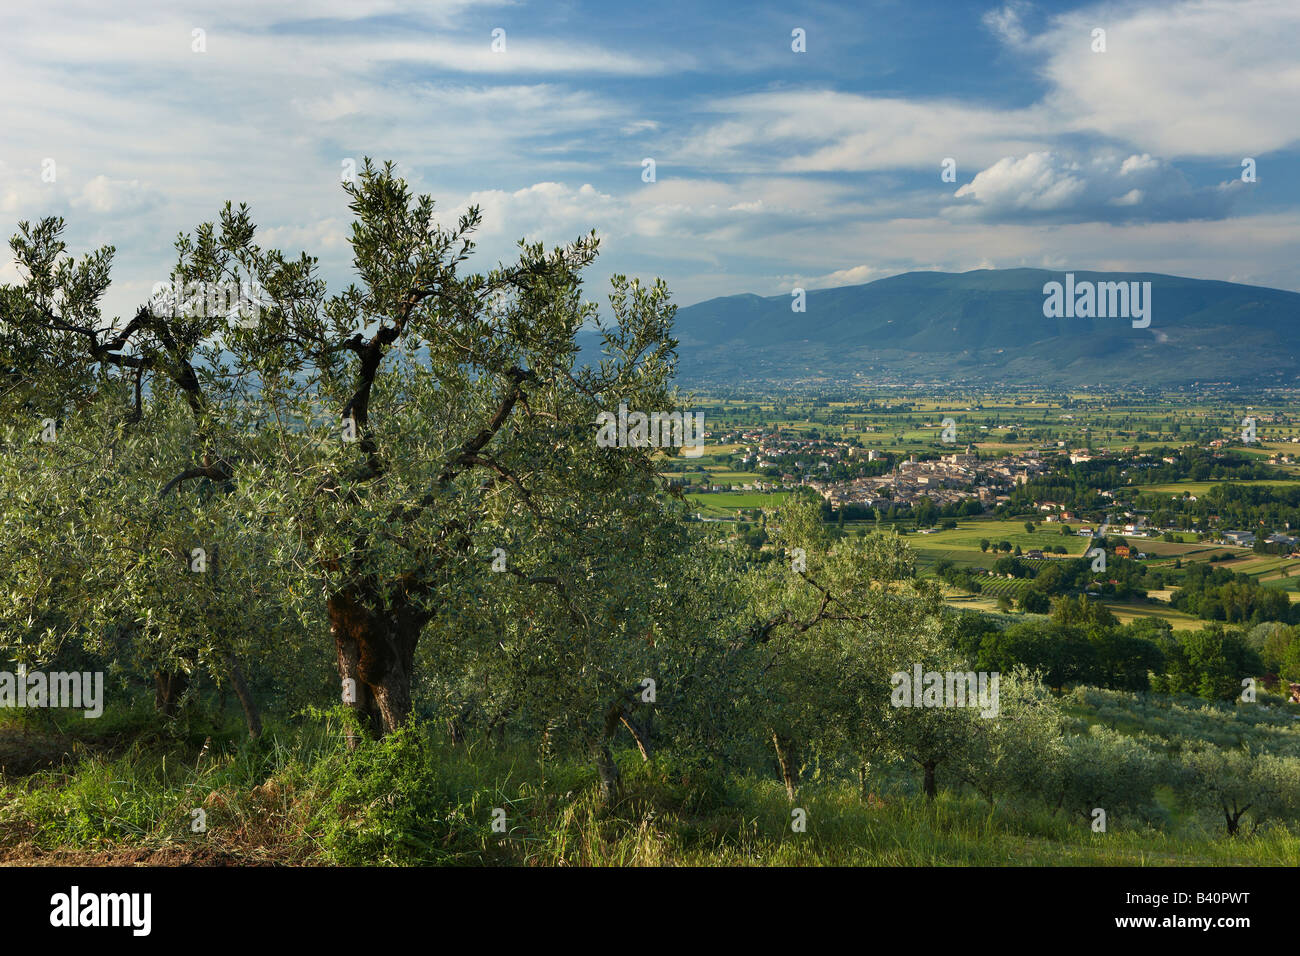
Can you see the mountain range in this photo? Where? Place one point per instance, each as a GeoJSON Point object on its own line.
{"type": "Point", "coordinates": [988, 326]}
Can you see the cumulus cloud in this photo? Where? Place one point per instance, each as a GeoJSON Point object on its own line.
{"type": "Point", "coordinates": [1215, 78]}
{"type": "Point", "coordinates": [680, 209]}
{"type": "Point", "coordinates": [549, 212]}
{"type": "Point", "coordinates": [1052, 187]}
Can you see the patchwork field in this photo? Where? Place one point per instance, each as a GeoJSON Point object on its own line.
{"type": "Point", "coordinates": [961, 545]}
{"type": "Point", "coordinates": [1159, 548]}
{"type": "Point", "coordinates": [907, 420]}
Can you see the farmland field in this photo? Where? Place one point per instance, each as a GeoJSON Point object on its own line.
{"type": "Point", "coordinates": [1128, 611]}
{"type": "Point", "coordinates": [962, 544]}
{"type": "Point", "coordinates": [1201, 487]}
{"type": "Point", "coordinates": [727, 503]}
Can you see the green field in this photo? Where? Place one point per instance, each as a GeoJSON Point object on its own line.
{"type": "Point", "coordinates": [961, 545]}
{"type": "Point", "coordinates": [1201, 487]}
{"type": "Point", "coordinates": [1129, 611]}
{"type": "Point", "coordinates": [727, 503]}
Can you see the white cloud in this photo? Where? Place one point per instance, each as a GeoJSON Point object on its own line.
{"type": "Point", "coordinates": [11, 192]}
{"type": "Point", "coordinates": [828, 131]}
{"type": "Point", "coordinates": [855, 275]}
{"type": "Point", "coordinates": [1051, 186]}
{"type": "Point", "coordinates": [1216, 78]}
{"type": "Point", "coordinates": [640, 126]}
{"type": "Point", "coordinates": [549, 212]}
{"type": "Point", "coordinates": [166, 39]}
{"type": "Point", "coordinates": [1005, 22]}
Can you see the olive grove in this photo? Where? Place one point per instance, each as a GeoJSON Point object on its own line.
{"type": "Point", "coordinates": [391, 496]}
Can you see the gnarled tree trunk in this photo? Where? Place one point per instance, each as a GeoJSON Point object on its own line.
{"type": "Point", "coordinates": [377, 650]}
{"type": "Point", "coordinates": [1232, 816]}
{"type": "Point", "coordinates": [611, 781]}
{"type": "Point", "coordinates": [457, 723]}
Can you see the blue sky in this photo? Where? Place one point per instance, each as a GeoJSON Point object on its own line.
{"type": "Point", "coordinates": [774, 168]}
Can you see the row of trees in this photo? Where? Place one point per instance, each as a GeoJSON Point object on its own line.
{"type": "Point", "coordinates": [1219, 594]}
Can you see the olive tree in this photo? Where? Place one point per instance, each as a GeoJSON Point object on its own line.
{"type": "Point", "coordinates": [368, 454]}
{"type": "Point", "coordinates": [1020, 748]}
{"type": "Point", "coordinates": [823, 631]}
{"type": "Point", "coordinates": [1238, 782]}
{"type": "Point", "coordinates": [1106, 770]}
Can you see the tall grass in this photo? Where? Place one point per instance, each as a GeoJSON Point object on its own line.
{"type": "Point", "coordinates": [301, 796]}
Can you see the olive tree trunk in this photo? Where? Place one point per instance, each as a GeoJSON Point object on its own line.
{"type": "Point", "coordinates": [377, 651]}
{"type": "Point", "coordinates": [787, 758]}
{"type": "Point", "coordinates": [929, 785]}
{"type": "Point", "coordinates": [251, 715]}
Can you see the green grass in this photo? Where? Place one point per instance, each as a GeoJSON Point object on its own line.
{"type": "Point", "coordinates": [415, 799]}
